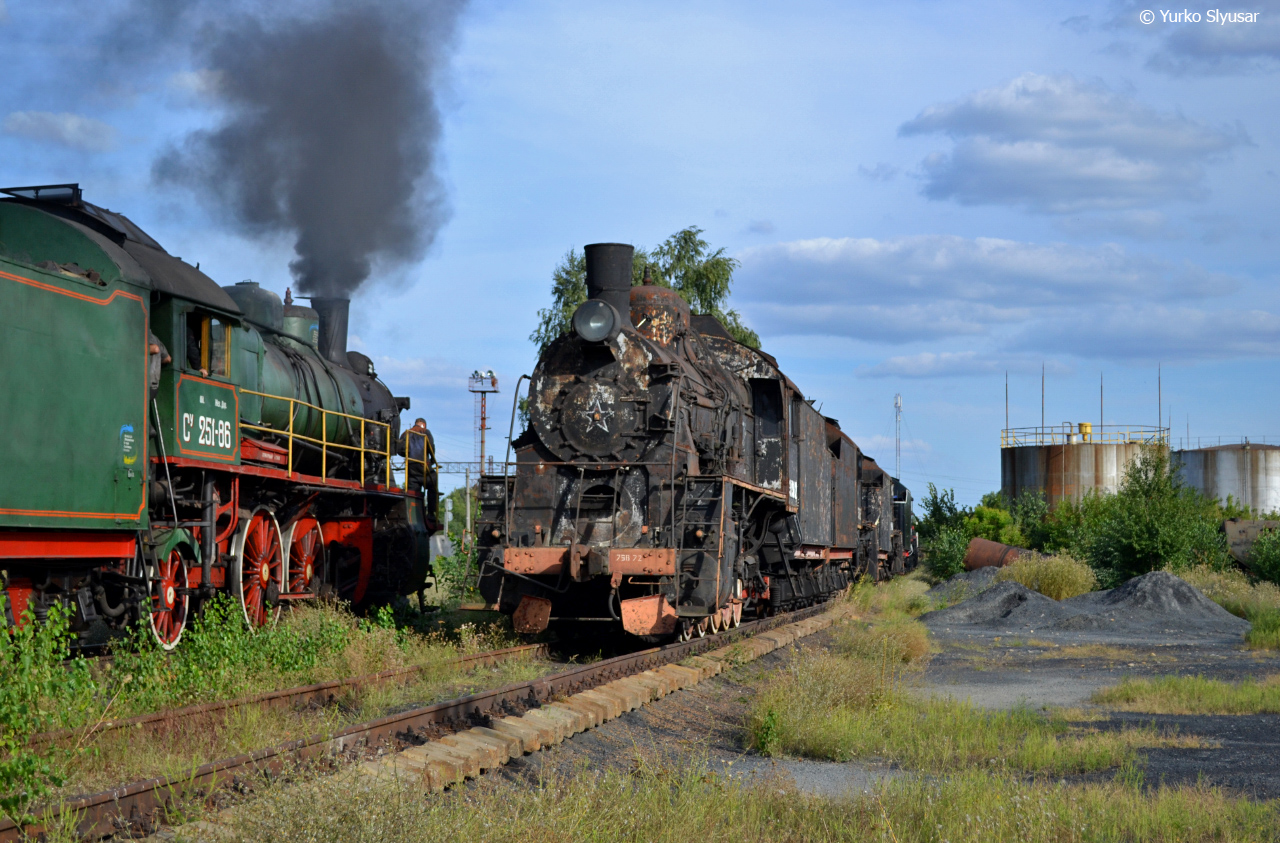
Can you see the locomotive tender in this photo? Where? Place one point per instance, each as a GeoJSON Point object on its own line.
{"type": "Point", "coordinates": [255, 460]}
{"type": "Point", "coordinates": [671, 478]}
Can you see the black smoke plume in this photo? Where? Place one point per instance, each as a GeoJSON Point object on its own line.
{"type": "Point", "coordinates": [329, 133]}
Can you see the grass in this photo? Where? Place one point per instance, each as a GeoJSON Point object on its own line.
{"type": "Point", "coordinates": [1258, 603]}
{"type": "Point", "coordinates": [693, 803]}
{"type": "Point", "coordinates": [1193, 695]}
{"type": "Point", "coordinates": [831, 708]}
{"type": "Point", "coordinates": [899, 597]}
{"type": "Point", "coordinates": [219, 658]}
{"type": "Point", "coordinates": [853, 700]}
{"type": "Point", "coordinates": [125, 755]}
{"type": "Point", "coordinates": [1058, 577]}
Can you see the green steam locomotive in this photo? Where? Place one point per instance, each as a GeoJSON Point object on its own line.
{"type": "Point", "coordinates": [166, 438]}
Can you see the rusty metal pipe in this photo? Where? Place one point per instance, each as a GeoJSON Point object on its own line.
{"type": "Point", "coordinates": [984, 553]}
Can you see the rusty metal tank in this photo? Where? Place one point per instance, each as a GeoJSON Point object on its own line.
{"type": "Point", "coordinates": [1248, 473]}
{"type": "Point", "coordinates": [1069, 461]}
{"type": "Point", "coordinates": [984, 553]}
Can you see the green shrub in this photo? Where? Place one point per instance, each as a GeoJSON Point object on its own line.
{"type": "Point", "coordinates": [1264, 556]}
{"type": "Point", "coordinates": [1153, 522]}
{"type": "Point", "coordinates": [1058, 577]}
{"type": "Point", "coordinates": [994, 524]}
{"type": "Point", "coordinates": [944, 553]}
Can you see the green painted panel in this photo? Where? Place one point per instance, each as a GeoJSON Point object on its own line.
{"type": "Point", "coordinates": [73, 400]}
{"type": "Point", "coordinates": [29, 235]}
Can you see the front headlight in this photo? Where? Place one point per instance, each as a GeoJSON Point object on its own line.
{"type": "Point", "coordinates": [596, 321]}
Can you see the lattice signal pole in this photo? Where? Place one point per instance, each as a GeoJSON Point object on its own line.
{"type": "Point", "coordinates": [481, 384]}
{"type": "Point", "coordinates": [897, 436]}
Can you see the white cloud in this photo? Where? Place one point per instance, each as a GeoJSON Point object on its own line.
{"type": "Point", "coordinates": [1056, 144]}
{"type": "Point", "coordinates": [998, 304]}
{"type": "Point", "coordinates": [1003, 276]}
{"type": "Point", "coordinates": [200, 84]}
{"type": "Point", "coordinates": [73, 130]}
{"type": "Point", "coordinates": [1209, 48]}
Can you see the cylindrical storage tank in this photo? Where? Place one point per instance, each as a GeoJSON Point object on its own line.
{"type": "Point", "coordinates": [1066, 471]}
{"type": "Point", "coordinates": [1249, 474]}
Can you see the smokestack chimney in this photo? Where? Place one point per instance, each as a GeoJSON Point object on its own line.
{"type": "Point", "coordinates": [609, 275]}
{"type": "Point", "coordinates": [334, 313]}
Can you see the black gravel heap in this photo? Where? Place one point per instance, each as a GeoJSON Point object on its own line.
{"type": "Point", "coordinates": [1151, 606]}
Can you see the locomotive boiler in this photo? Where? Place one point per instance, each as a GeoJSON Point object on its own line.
{"type": "Point", "coordinates": [671, 479]}
{"type": "Point", "coordinates": [168, 438]}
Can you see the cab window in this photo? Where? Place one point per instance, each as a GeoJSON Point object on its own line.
{"type": "Point", "coordinates": [218, 349]}
{"type": "Point", "coordinates": [207, 344]}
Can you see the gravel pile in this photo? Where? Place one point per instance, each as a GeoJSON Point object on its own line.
{"type": "Point", "coordinates": [1150, 607]}
{"type": "Point", "coordinates": [963, 585]}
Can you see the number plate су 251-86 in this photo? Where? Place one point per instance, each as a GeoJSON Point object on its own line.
{"type": "Point", "coordinates": [207, 420]}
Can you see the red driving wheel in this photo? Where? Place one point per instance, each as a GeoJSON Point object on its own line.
{"type": "Point", "coordinates": [258, 572]}
{"type": "Point", "coordinates": [306, 556]}
{"type": "Point", "coordinates": [169, 608]}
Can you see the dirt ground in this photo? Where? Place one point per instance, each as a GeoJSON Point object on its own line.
{"type": "Point", "coordinates": [1001, 672]}
{"type": "Point", "coordinates": [704, 723]}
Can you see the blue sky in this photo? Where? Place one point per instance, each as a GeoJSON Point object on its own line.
{"type": "Point", "coordinates": [923, 196]}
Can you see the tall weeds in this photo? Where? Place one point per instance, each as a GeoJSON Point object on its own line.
{"type": "Point", "coordinates": [1060, 576]}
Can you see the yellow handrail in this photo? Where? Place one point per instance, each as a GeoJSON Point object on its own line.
{"type": "Point", "coordinates": [428, 459]}
{"type": "Point", "coordinates": [1071, 434]}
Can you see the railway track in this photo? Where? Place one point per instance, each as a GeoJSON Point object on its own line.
{"type": "Point", "coordinates": [133, 807]}
{"type": "Point", "coordinates": [323, 693]}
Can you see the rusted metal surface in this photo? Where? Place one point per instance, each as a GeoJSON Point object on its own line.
{"type": "Point", "coordinates": [322, 693]}
{"type": "Point", "coordinates": [132, 808]}
{"type": "Point", "coordinates": [1242, 533]}
{"type": "Point", "coordinates": [535, 560]}
{"type": "Point", "coordinates": [659, 561]}
{"type": "Point", "coordinates": [814, 474]}
{"type": "Point", "coordinates": [532, 615]}
{"type": "Point", "coordinates": [984, 553]}
{"type": "Point", "coordinates": [651, 615]}
{"type": "Point", "coordinates": [658, 313]}
{"type": "Point", "coordinates": [845, 512]}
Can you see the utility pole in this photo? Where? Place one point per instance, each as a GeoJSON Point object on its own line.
{"type": "Point", "coordinates": [1159, 400]}
{"type": "Point", "coordinates": [897, 436]}
{"type": "Point", "coordinates": [1041, 399]}
{"type": "Point", "coordinates": [481, 384]}
{"type": "Point", "coordinates": [1006, 401]}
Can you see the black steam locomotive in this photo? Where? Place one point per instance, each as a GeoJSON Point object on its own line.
{"type": "Point", "coordinates": [671, 479]}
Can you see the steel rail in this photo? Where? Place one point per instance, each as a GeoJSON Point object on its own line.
{"type": "Point", "coordinates": [322, 693]}
{"type": "Point", "coordinates": [132, 807]}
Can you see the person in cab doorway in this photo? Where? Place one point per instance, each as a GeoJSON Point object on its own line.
{"type": "Point", "coordinates": [157, 357]}
{"type": "Point", "coordinates": [413, 447]}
